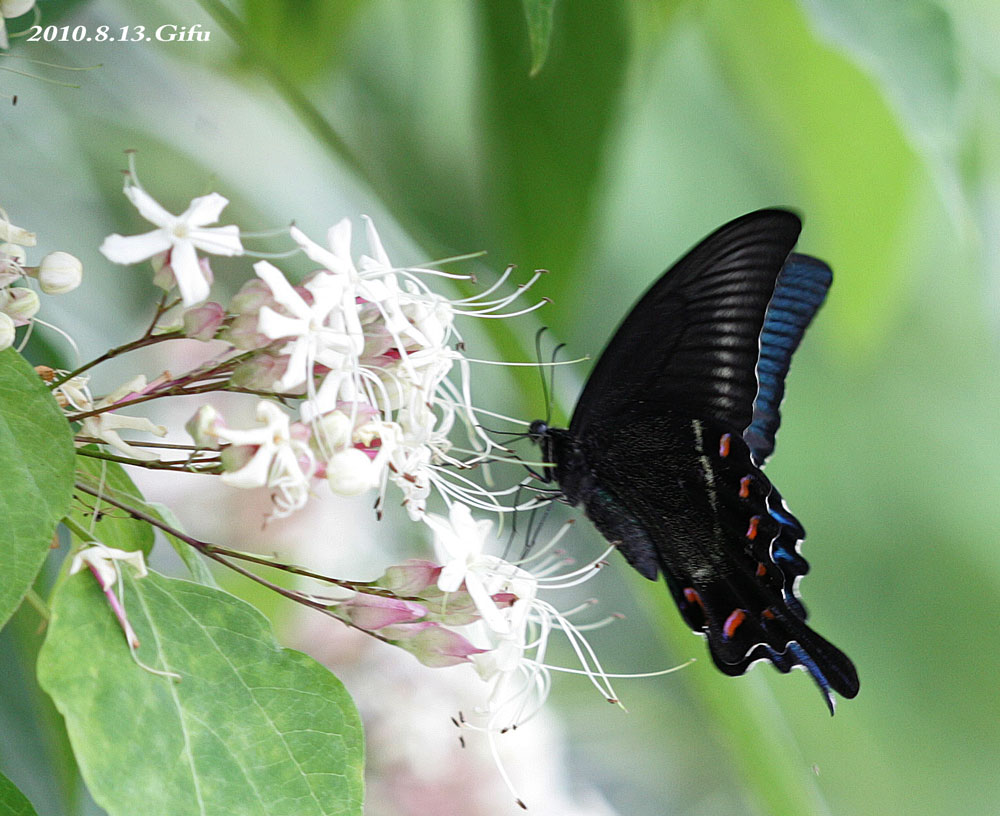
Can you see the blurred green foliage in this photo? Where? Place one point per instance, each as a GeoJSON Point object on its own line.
{"type": "Point", "coordinates": [649, 124]}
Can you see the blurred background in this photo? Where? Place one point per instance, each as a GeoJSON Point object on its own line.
{"type": "Point", "coordinates": [649, 124]}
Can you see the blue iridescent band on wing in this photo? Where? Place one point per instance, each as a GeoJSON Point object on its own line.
{"type": "Point", "coordinates": [798, 293]}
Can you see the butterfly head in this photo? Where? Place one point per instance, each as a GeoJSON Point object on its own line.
{"type": "Point", "coordinates": [538, 431]}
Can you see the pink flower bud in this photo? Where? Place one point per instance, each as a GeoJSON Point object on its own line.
{"type": "Point", "coordinates": [450, 608]}
{"type": "Point", "coordinates": [252, 295]}
{"type": "Point", "coordinates": [411, 577]}
{"type": "Point", "coordinates": [242, 333]}
{"type": "Point", "coordinates": [236, 457]}
{"type": "Point", "coordinates": [431, 643]}
{"type": "Point", "coordinates": [375, 612]}
{"type": "Point", "coordinates": [259, 373]}
{"type": "Point", "coordinates": [202, 322]}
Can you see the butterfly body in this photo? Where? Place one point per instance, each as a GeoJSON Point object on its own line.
{"type": "Point", "coordinates": [665, 448]}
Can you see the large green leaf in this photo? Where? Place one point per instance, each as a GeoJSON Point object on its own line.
{"type": "Point", "coordinates": [249, 728]}
{"type": "Point", "coordinates": [36, 459]}
{"type": "Point", "coordinates": [113, 527]}
{"type": "Point", "coordinates": [12, 801]}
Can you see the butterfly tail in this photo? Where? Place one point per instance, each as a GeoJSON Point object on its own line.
{"type": "Point", "coordinates": [745, 623]}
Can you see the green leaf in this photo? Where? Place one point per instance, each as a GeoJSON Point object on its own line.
{"type": "Point", "coordinates": [910, 48]}
{"type": "Point", "coordinates": [114, 527]}
{"type": "Point", "coordinates": [36, 459]}
{"type": "Point", "coordinates": [304, 36]}
{"type": "Point", "coordinates": [539, 14]}
{"type": "Point", "coordinates": [12, 801]}
{"type": "Point", "coordinates": [249, 728]}
{"type": "Point", "coordinates": [191, 558]}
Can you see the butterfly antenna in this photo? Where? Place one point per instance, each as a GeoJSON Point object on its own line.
{"type": "Point", "coordinates": [541, 368]}
{"type": "Point", "coordinates": [552, 383]}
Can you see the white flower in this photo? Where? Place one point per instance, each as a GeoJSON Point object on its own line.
{"type": "Point", "coordinates": [101, 560]}
{"type": "Point", "coordinates": [356, 445]}
{"type": "Point", "coordinates": [12, 261]}
{"type": "Point", "coordinates": [326, 332]}
{"type": "Point", "coordinates": [459, 541]}
{"type": "Point", "coordinates": [181, 235]}
{"type": "Point", "coordinates": [276, 461]}
{"type": "Point", "coordinates": [75, 395]}
{"type": "Point", "coordinates": [16, 235]}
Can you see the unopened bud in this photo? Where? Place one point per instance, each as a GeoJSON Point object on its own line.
{"type": "Point", "coordinates": [202, 322]}
{"type": "Point", "coordinates": [373, 612]}
{"type": "Point", "coordinates": [59, 273]}
{"type": "Point", "coordinates": [19, 303]}
{"type": "Point", "coordinates": [203, 427]}
{"type": "Point", "coordinates": [350, 472]}
{"type": "Point", "coordinates": [6, 332]}
{"type": "Point", "coordinates": [15, 8]}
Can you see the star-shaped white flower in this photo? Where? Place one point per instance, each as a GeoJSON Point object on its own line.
{"type": "Point", "coordinates": [460, 540]}
{"type": "Point", "coordinates": [105, 425]}
{"type": "Point", "coordinates": [182, 235]}
{"type": "Point", "coordinates": [14, 234]}
{"type": "Point", "coordinates": [325, 332]}
{"type": "Point", "coordinates": [102, 560]}
{"type": "Point", "coordinates": [276, 461]}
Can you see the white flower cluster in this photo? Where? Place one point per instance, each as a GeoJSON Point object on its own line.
{"type": "Point", "coordinates": [360, 380]}
{"type": "Point", "coordinates": [368, 352]}
{"type": "Point", "coordinates": [58, 272]}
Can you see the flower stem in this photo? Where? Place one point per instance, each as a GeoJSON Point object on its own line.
{"type": "Point", "coordinates": [178, 465]}
{"type": "Point", "coordinates": [38, 602]}
{"type": "Point", "coordinates": [142, 342]}
{"type": "Point", "coordinates": [220, 554]}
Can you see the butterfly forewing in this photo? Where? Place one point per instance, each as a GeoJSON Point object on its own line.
{"type": "Point", "coordinates": [692, 341]}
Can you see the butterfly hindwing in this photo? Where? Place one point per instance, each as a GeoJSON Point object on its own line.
{"type": "Point", "coordinates": [798, 293]}
{"type": "Point", "coordinates": [696, 505]}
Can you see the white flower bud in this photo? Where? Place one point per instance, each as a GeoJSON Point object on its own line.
{"type": "Point", "coordinates": [350, 472]}
{"type": "Point", "coordinates": [15, 8]}
{"type": "Point", "coordinates": [333, 430]}
{"type": "Point", "coordinates": [59, 273]}
{"type": "Point", "coordinates": [204, 426]}
{"type": "Point", "coordinates": [6, 332]}
{"type": "Point", "coordinates": [19, 303]}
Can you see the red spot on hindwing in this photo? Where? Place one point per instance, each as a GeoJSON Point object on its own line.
{"type": "Point", "coordinates": [745, 487]}
{"type": "Point", "coordinates": [733, 623]}
{"type": "Point", "coordinates": [692, 597]}
{"type": "Point", "coordinates": [752, 529]}
{"type": "Point", "coordinates": [724, 445]}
